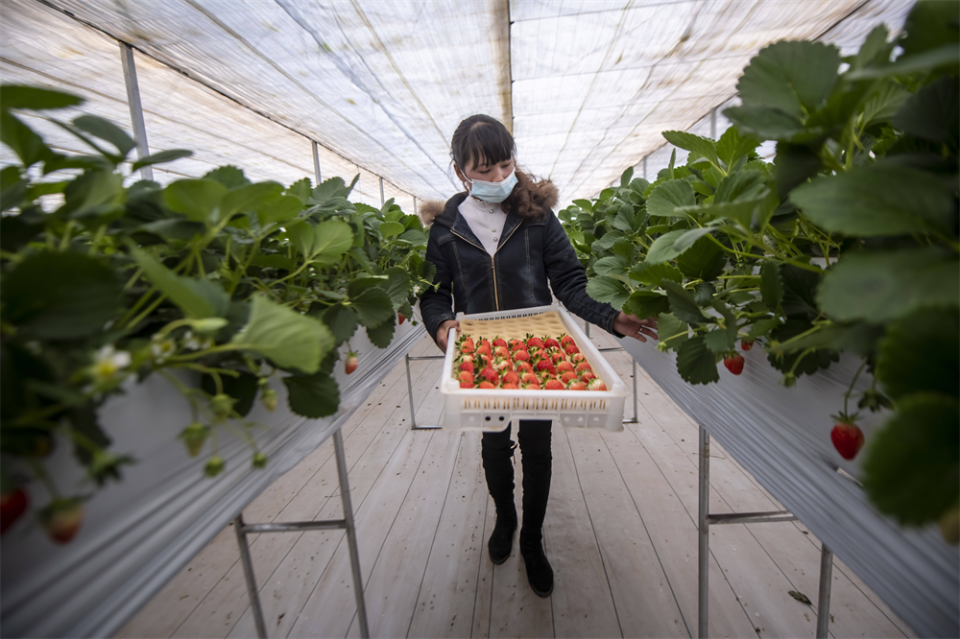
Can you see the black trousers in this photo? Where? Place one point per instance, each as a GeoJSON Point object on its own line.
{"type": "Point", "coordinates": [537, 463]}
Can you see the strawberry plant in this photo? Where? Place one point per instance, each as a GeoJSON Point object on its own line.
{"type": "Point", "coordinates": [846, 243]}
{"type": "Point", "coordinates": [107, 279]}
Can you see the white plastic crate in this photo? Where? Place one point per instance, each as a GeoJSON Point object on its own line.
{"type": "Point", "coordinates": [493, 409]}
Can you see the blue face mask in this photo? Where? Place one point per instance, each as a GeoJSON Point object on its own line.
{"type": "Point", "coordinates": [494, 192]}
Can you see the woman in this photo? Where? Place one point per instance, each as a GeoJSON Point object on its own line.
{"type": "Point", "coordinates": [496, 247]}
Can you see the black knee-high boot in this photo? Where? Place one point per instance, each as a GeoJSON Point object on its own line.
{"type": "Point", "coordinates": [537, 460]}
{"type": "Point", "coordinates": [497, 455]}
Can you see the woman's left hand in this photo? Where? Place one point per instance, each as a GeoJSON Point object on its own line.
{"type": "Point", "coordinates": [633, 326]}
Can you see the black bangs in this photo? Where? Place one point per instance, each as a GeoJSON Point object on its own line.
{"type": "Point", "coordinates": [481, 140]}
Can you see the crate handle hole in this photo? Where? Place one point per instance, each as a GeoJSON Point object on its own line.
{"type": "Point", "coordinates": [487, 418]}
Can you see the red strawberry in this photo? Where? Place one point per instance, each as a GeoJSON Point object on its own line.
{"type": "Point", "coordinates": [350, 364]}
{"type": "Point", "coordinates": [596, 385]}
{"type": "Point", "coordinates": [545, 365]}
{"type": "Point", "coordinates": [485, 349]}
{"type": "Point", "coordinates": [563, 367]}
{"type": "Point", "coordinates": [485, 342]}
{"type": "Point", "coordinates": [568, 377]}
{"type": "Point", "coordinates": [537, 353]}
{"type": "Point", "coordinates": [62, 519]}
{"type": "Point", "coordinates": [466, 385]}
{"type": "Point", "coordinates": [577, 386]}
{"type": "Point", "coordinates": [500, 342]}
{"type": "Point", "coordinates": [491, 375]}
{"type": "Point", "coordinates": [556, 357]}
{"type": "Point", "coordinates": [571, 349]}
{"type": "Point", "coordinates": [509, 386]}
{"type": "Point", "coordinates": [466, 376]}
{"type": "Point", "coordinates": [586, 376]}
{"type": "Point", "coordinates": [486, 384]}
{"type": "Point", "coordinates": [577, 358]}
{"type": "Point", "coordinates": [531, 386]}
{"type": "Point", "coordinates": [467, 366]}
{"type": "Point", "coordinates": [511, 378]}
{"type": "Point", "coordinates": [551, 343]}
{"type": "Point", "coordinates": [517, 345]}
{"type": "Point", "coordinates": [468, 346]}
{"type": "Point", "coordinates": [501, 351]}
{"type": "Point", "coordinates": [525, 367]}
{"type": "Point", "coordinates": [12, 505]}
{"type": "Point", "coordinates": [521, 356]}
{"type": "Point", "coordinates": [566, 340]}
{"type": "Point", "coordinates": [554, 384]}
{"type": "Point", "coordinates": [401, 318]}
{"type": "Point", "coordinates": [502, 365]}
{"type": "Point", "coordinates": [734, 363]}
{"type": "Point", "coordinates": [534, 342]}
{"type": "Point", "coordinates": [746, 344]}
{"type": "Point", "coordinates": [847, 439]}
{"type": "Point", "coordinates": [529, 378]}
{"type": "Point", "coordinates": [584, 367]}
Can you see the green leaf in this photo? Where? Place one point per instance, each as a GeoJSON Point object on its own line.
{"type": "Point", "coordinates": [765, 123]}
{"type": "Point", "coordinates": [382, 335]}
{"type": "Point", "coordinates": [626, 176]}
{"type": "Point", "coordinates": [624, 248]}
{"type": "Point", "coordinates": [586, 205]}
{"type": "Point", "coordinates": [273, 260]}
{"type": "Point", "coordinates": [932, 113]}
{"type": "Point", "coordinates": [718, 341]}
{"type": "Point", "coordinates": [342, 321]}
{"type": "Point", "coordinates": [279, 210]}
{"type": "Point", "coordinates": [662, 250]}
{"type": "Point", "coordinates": [704, 260]}
{"type": "Point", "coordinates": [930, 26]}
{"type": "Point", "coordinates": [943, 58]}
{"type": "Point", "coordinates": [913, 462]}
{"type": "Point", "coordinates": [739, 186]}
{"type": "Point", "coordinates": [161, 157]}
{"type": "Point", "coordinates": [330, 238]}
{"type": "Point", "coordinates": [608, 290]}
{"type": "Point", "coordinates": [795, 77]}
{"type": "Point", "coordinates": [21, 139]}
{"type": "Point", "coordinates": [197, 199]}
{"type": "Point", "coordinates": [612, 265]}
{"type": "Point", "coordinates": [762, 327]}
{"type": "Point", "coordinates": [703, 293]}
{"type": "Point", "coordinates": [696, 363]}
{"type": "Point", "coordinates": [313, 396]}
{"type": "Point", "coordinates": [653, 274]}
{"type": "Point", "coordinates": [689, 238]}
{"type": "Point", "coordinates": [16, 96]}
{"type": "Point", "coordinates": [229, 176]}
{"type": "Point", "coordinates": [668, 197]}
{"type": "Point", "coordinates": [809, 363]}
{"type": "Point", "coordinates": [920, 353]}
{"type": "Point", "coordinates": [175, 228]}
{"type": "Point", "coordinates": [884, 285]}
{"type": "Point", "coordinates": [872, 49]}
{"type": "Point", "coordinates": [646, 304]}
{"type": "Point", "coordinates": [287, 338]}
{"type": "Point", "coordinates": [729, 318]}
{"type": "Point", "coordinates": [300, 189]}
{"type": "Point", "coordinates": [415, 237]}
{"type": "Point", "coordinates": [771, 285]}
{"type": "Point", "coordinates": [796, 163]}
{"type": "Point", "coordinates": [373, 306]}
{"type": "Point", "coordinates": [877, 200]}
{"type": "Point", "coordinates": [60, 296]}
{"type": "Point", "coordinates": [703, 147]}
{"type": "Point", "coordinates": [884, 105]}
{"type": "Point", "coordinates": [242, 388]}
{"type": "Point", "coordinates": [106, 130]}
{"type": "Point", "coordinates": [249, 197]}
{"type": "Point", "coordinates": [390, 229]}
{"type": "Point", "coordinates": [668, 326]}
{"type": "Point", "coordinates": [732, 146]}
{"type": "Point", "coordinates": [624, 219]}
{"type": "Point", "coordinates": [92, 192]}
{"type": "Point", "coordinates": [197, 299]}
{"type": "Point", "coordinates": [799, 290]}
{"type": "Point", "coordinates": [398, 286]}
{"type": "Point", "coordinates": [682, 303]}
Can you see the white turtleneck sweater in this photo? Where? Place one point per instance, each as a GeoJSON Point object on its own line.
{"type": "Point", "coordinates": [486, 221]}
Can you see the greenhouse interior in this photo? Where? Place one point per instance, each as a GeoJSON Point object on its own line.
{"type": "Point", "coordinates": [486, 318]}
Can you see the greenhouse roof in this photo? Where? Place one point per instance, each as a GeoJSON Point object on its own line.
{"type": "Point", "coordinates": [587, 86]}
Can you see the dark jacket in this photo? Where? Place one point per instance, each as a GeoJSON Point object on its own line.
{"type": "Point", "coordinates": [530, 254]}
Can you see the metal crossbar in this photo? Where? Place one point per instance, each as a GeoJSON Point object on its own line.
{"type": "Point", "coordinates": [706, 520]}
{"type": "Point", "coordinates": [347, 523]}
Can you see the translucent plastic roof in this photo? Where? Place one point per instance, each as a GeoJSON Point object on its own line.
{"type": "Point", "coordinates": [586, 85]}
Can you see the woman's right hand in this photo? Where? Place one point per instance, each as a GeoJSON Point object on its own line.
{"type": "Point", "coordinates": [443, 331]}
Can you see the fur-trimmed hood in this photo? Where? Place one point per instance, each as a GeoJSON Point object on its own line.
{"type": "Point", "coordinates": [429, 210]}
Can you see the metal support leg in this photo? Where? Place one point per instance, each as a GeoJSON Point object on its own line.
{"type": "Point", "coordinates": [704, 532]}
{"type": "Point", "coordinates": [413, 412]}
{"type": "Point", "coordinates": [316, 161]}
{"type": "Point", "coordinates": [823, 603]}
{"type": "Point", "coordinates": [250, 577]}
{"type": "Point", "coordinates": [635, 419]}
{"type": "Point", "coordinates": [351, 533]}
{"type": "Point", "coordinates": [136, 109]}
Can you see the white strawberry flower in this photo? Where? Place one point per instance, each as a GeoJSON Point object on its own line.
{"type": "Point", "coordinates": [108, 364]}
{"type": "Point", "coordinates": [161, 350]}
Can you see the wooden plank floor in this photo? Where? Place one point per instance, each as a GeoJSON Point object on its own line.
{"type": "Point", "coordinates": [620, 532]}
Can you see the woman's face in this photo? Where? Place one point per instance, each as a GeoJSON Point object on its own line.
{"type": "Point", "coordinates": [486, 172]}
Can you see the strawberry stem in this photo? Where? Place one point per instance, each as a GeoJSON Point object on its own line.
{"type": "Point", "coordinates": [846, 396]}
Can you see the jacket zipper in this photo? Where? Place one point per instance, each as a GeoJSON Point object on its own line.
{"type": "Point", "coordinates": [493, 266]}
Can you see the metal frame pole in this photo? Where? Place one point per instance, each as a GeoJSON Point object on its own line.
{"type": "Point", "coordinates": [415, 206]}
{"type": "Point", "coordinates": [704, 534]}
{"type": "Point", "coordinates": [381, 192]}
{"type": "Point", "coordinates": [351, 533]}
{"type": "Point", "coordinates": [644, 167]}
{"type": "Point", "coordinates": [136, 108]}
{"type": "Point", "coordinates": [713, 123]}
{"type": "Point", "coordinates": [413, 413]}
{"type": "Point", "coordinates": [316, 161]}
{"type": "Point", "coordinates": [251, 579]}
{"type": "Point", "coordinates": [823, 602]}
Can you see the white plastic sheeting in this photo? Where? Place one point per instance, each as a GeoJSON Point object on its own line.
{"type": "Point", "coordinates": [782, 437]}
{"type": "Point", "coordinates": [587, 85]}
{"type": "Point", "coordinates": [138, 534]}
